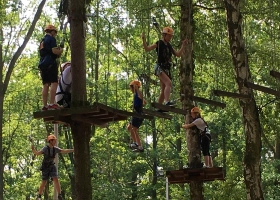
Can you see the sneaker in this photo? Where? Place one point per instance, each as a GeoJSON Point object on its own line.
{"type": "Point", "coordinates": [140, 150]}
{"type": "Point", "coordinates": [169, 103]}
{"type": "Point", "coordinates": [38, 197]}
{"type": "Point", "coordinates": [60, 197]}
{"type": "Point", "coordinates": [53, 107]}
{"type": "Point", "coordinates": [133, 145]}
{"type": "Point", "coordinates": [44, 108]}
{"type": "Point", "coordinates": [162, 111]}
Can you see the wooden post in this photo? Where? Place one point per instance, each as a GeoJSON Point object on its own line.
{"type": "Point", "coordinates": [55, 127]}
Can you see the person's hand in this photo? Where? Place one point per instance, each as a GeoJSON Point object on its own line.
{"type": "Point", "coordinates": [185, 42]}
{"type": "Point", "coordinates": [143, 36]}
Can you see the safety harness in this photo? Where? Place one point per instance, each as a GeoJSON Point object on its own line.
{"type": "Point", "coordinates": [66, 96]}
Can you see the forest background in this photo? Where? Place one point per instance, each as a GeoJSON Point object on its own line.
{"type": "Point", "coordinates": [113, 44]}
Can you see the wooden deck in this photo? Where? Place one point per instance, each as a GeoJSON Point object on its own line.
{"type": "Point", "coordinates": [189, 174]}
{"type": "Point", "coordinates": [98, 114]}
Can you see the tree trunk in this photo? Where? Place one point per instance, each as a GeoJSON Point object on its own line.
{"type": "Point", "coordinates": [81, 131]}
{"type": "Point", "coordinates": [5, 79]}
{"type": "Point", "coordinates": [251, 120]}
{"type": "Point", "coordinates": [186, 90]}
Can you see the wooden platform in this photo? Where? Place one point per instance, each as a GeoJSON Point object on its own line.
{"type": "Point", "coordinates": [156, 114]}
{"type": "Point", "coordinates": [208, 101]}
{"type": "Point", "coordinates": [189, 174]}
{"type": "Point", "coordinates": [230, 94]}
{"type": "Point", "coordinates": [169, 108]}
{"type": "Point", "coordinates": [98, 114]}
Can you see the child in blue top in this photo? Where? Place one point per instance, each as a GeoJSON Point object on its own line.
{"type": "Point", "coordinates": [136, 122]}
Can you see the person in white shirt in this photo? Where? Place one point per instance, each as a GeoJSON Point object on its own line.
{"type": "Point", "coordinates": [63, 92]}
{"type": "Point", "coordinates": [205, 137]}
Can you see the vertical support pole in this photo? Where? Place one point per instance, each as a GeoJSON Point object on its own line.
{"type": "Point", "coordinates": [166, 189]}
{"type": "Point", "coordinates": [55, 130]}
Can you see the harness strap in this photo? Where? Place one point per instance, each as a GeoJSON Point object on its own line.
{"type": "Point", "coordinates": [49, 151]}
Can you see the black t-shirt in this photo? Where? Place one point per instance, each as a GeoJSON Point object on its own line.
{"type": "Point", "coordinates": [164, 52]}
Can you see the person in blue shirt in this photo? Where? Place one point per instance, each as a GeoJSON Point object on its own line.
{"type": "Point", "coordinates": [49, 52]}
{"type": "Point", "coordinates": [136, 122]}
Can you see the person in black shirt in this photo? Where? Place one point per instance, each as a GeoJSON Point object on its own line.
{"type": "Point", "coordinates": [164, 63]}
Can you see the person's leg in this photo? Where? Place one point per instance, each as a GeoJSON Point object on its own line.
{"type": "Point", "coordinates": [161, 95]}
{"type": "Point", "coordinates": [206, 161]}
{"type": "Point", "coordinates": [132, 135]}
{"type": "Point", "coordinates": [45, 92]}
{"type": "Point", "coordinates": [53, 92]}
{"type": "Point", "coordinates": [56, 185]}
{"type": "Point", "coordinates": [42, 186]}
{"type": "Point", "coordinates": [165, 80]}
{"type": "Point", "coordinates": [210, 161]}
{"type": "Point", "coordinates": [137, 138]}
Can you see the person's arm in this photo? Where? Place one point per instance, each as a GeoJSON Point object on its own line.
{"type": "Point", "coordinates": [35, 151]}
{"type": "Point", "coordinates": [57, 51]}
{"type": "Point", "coordinates": [67, 150]}
{"type": "Point", "coordinates": [139, 93]}
{"type": "Point", "coordinates": [181, 50]}
{"type": "Point", "coordinates": [186, 126]}
{"type": "Point", "coordinates": [146, 47]}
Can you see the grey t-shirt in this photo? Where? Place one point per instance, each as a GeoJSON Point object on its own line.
{"type": "Point", "coordinates": [50, 154]}
{"type": "Point", "coordinates": [200, 124]}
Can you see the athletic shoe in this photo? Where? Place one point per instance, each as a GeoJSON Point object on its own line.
{"type": "Point", "coordinates": [54, 107]}
{"type": "Point", "coordinates": [38, 197]}
{"type": "Point", "coordinates": [169, 103]}
{"type": "Point", "coordinates": [140, 150]}
{"type": "Point", "coordinates": [44, 108]}
{"type": "Point", "coordinates": [60, 197]}
{"type": "Point", "coordinates": [133, 145]}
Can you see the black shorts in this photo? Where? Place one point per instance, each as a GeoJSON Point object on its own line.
{"type": "Point", "coordinates": [49, 172]}
{"type": "Point", "coordinates": [136, 122]}
{"type": "Point", "coordinates": [205, 144]}
{"type": "Point", "coordinates": [49, 75]}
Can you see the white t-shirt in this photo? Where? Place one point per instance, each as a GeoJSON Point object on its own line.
{"type": "Point", "coordinates": [200, 124]}
{"type": "Point", "coordinates": [65, 81]}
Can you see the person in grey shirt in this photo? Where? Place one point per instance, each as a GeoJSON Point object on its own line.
{"type": "Point", "coordinates": [48, 166]}
{"type": "Point", "coordinates": [205, 137]}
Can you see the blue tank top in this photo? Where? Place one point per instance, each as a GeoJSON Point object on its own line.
{"type": "Point", "coordinates": [137, 103]}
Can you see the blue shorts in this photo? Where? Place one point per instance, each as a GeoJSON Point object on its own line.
{"type": "Point", "coordinates": [136, 122]}
{"type": "Point", "coordinates": [49, 172]}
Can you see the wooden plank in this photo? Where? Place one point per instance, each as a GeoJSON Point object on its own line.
{"type": "Point", "coordinates": [275, 74]}
{"type": "Point", "coordinates": [190, 174]}
{"type": "Point", "coordinates": [208, 101]}
{"type": "Point", "coordinates": [65, 112]}
{"type": "Point", "coordinates": [122, 112]}
{"type": "Point", "coordinates": [230, 94]}
{"type": "Point", "coordinates": [79, 118]}
{"type": "Point", "coordinates": [157, 114]}
{"type": "Point", "coordinates": [169, 108]}
{"type": "Point", "coordinates": [262, 89]}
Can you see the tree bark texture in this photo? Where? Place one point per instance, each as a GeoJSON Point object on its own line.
{"type": "Point", "coordinates": [186, 90]}
{"type": "Point", "coordinates": [81, 131]}
{"type": "Point", "coordinates": [250, 113]}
